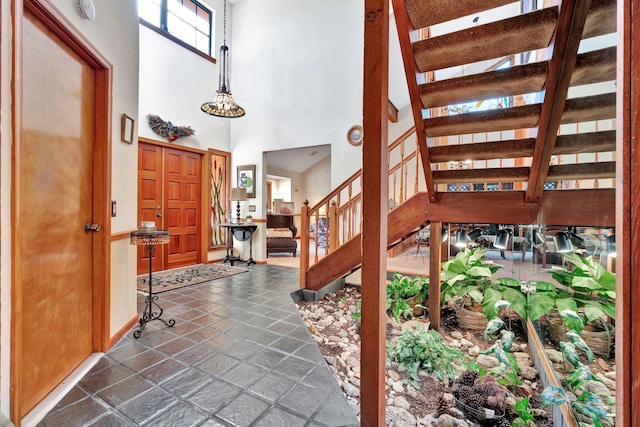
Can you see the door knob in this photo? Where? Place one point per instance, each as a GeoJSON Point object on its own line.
{"type": "Point", "coordinates": [91, 227]}
{"type": "Point", "coordinates": [158, 215]}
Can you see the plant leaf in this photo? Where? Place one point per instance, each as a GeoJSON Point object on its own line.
{"type": "Point", "coordinates": [493, 325]}
{"type": "Point", "coordinates": [579, 342]}
{"type": "Point", "coordinates": [553, 395]}
{"type": "Point", "coordinates": [507, 339]}
{"type": "Point", "coordinates": [539, 305]}
{"type": "Point", "coordinates": [570, 353]}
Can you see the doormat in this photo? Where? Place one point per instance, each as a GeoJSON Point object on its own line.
{"type": "Point", "coordinates": [176, 278]}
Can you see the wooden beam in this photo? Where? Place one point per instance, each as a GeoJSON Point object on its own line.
{"type": "Point", "coordinates": [392, 112]}
{"type": "Point", "coordinates": [557, 207]}
{"type": "Point", "coordinates": [588, 108]}
{"type": "Point", "coordinates": [510, 149]}
{"type": "Point", "coordinates": [375, 167]}
{"type": "Point", "coordinates": [411, 71]}
{"type": "Point", "coordinates": [628, 216]}
{"type": "Point", "coordinates": [435, 256]}
{"type": "Point", "coordinates": [571, 19]}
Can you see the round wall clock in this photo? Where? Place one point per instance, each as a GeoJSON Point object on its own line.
{"type": "Point", "coordinates": [354, 135]}
{"type": "Point", "coordinates": [86, 9]}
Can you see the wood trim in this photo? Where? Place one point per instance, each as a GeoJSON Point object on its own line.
{"type": "Point", "coordinates": [45, 11]}
{"type": "Point", "coordinates": [121, 235]}
{"type": "Point", "coordinates": [404, 28]}
{"type": "Point", "coordinates": [177, 41]}
{"type": "Point", "coordinates": [627, 215]}
{"type": "Point", "coordinates": [168, 145]}
{"type": "Point", "coordinates": [392, 112]}
{"type": "Point", "coordinates": [375, 188]}
{"type": "Point", "coordinates": [571, 19]}
{"type": "Point", "coordinates": [435, 257]}
{"type": "Point", "coordinates": [118, 335]}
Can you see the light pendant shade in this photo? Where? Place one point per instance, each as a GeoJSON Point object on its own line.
{"type": "Point", "coordinates": [461, 239]}
{"type": "Point", "coordinates": [537, 237]}
{"type": "Point", "coordinates": [223, 104]}
{"type": "Point", "coordinates": [611, 245]}
{"type": "Point", "coordinates": [502, 239]}
{"type": "Point", "coordinates": [562, 242]}
{"type": "Point", "coordinates": [474, 234]}
{"type": "Point", "coordinates": [575, 239]}
{"type": "Point", "coordinates": [445, 235]}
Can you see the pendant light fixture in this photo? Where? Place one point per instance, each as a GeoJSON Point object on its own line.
{"type": "Point", "coordinates": [223, 104]}
{"type": "Point", "coordinates": [461, 238]}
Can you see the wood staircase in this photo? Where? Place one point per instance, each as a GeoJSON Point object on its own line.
{"type": "Point", "coordinates": [556, 127]}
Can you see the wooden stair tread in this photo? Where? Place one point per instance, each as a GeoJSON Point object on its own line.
{"type": "Point", "coordinates": [595, 67]}
{"type": "Point", "coordinates": [517, 174]}
{"type": "Point", "coordinates": [521, 33]}
{"type": "Point", "coordinates": [601, 19]}
{"type": "Point", "coordinates": [598, 170]}
{"type": "Point", "coordinates": [423, 13]}
{"type": "Point", "coordinates": [592, 142]}
{"type": "Point", "coordinates": [483, 150]}
{"type": "Point", "coordinates": [517, 80]}
{"type": "Point", "coordinates": [589, 108]}
{"type": "Point", "coordinates": [521, 117]}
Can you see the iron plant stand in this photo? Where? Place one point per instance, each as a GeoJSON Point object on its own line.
{"type": "Point", "coordinates": [150, 239]}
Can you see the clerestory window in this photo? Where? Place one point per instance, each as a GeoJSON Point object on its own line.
{"type": "Point", "coordinates": [186, 21]}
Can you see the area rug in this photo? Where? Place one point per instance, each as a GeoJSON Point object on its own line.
{"type": "Point", "coordinates": [176, 278]}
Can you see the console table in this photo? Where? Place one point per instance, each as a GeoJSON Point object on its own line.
{"type": "Point", "coordinates": [242, 233]}
{"type": "Point", "coordinates": [150, 239]}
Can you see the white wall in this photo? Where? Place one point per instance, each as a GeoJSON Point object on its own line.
{"type": "Point", "coordinates": [119, 44]}
{"type": "Point", "coordinates": [317, 181]}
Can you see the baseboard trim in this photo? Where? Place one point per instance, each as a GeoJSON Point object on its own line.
{"type": "Point", "coordinates": [123, 331]}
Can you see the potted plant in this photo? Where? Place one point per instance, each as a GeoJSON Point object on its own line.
{"type": "Point", "coordinates": [406, 296]}
{"type": "Point", "coordinates": [466, 278]}
{"type": "Point", "coordinates": [586, 298]}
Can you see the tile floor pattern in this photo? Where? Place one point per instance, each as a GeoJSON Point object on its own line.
{"type": "Point", "coordinates": [239, 355]}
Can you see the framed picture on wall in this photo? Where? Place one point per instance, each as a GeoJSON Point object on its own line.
{"type": "Point", "coordinates": [247, 179]}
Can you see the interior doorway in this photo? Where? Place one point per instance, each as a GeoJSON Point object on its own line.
{"type": "Point", "coordinates": [60, 194]}
{"type": "Point", "coordinates": [170, 194]}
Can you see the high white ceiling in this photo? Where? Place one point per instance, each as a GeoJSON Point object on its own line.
{"type": "Point", "coordinates": [297, 159]}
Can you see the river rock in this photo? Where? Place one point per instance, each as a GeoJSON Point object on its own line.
{"type": "Point", "coordinates": [487, 361]}
{"type": "Point", "coordinates": [399, 417]}
{"type": "Point", "coordinates": [457, 335]}
{"type": "Point", "coordinates": [554, 356]}
{"type": "Point", "coordinates": [350, 389]}
{"type": "Point", "coordinates": [401, 402]}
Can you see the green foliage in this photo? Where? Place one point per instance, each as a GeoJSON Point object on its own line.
{"type": "Point", "coordinates": [467, 275]}
{"type": "Point", "coordinates": [421, 349]}
{"type": "Point", "coordinates": [587, 288]}
{"type": "Point", "coordinates": [582, 400]}
{"type": "Point", "coordinates": [356, 313]}
{"type": "Point", "coordinates": [524, 412]}
{"type": "Point", "coordinates": [402, 289]}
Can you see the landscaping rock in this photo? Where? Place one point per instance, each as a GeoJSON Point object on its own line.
{"type": "Point", "coordinates": [487, 361]}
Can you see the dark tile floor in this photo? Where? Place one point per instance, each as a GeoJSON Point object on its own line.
{"type": "Point", "coordinates": [239, 355]}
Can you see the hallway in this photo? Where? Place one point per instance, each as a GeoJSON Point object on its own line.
{"type": "Point", "coordinates": [239, 355]}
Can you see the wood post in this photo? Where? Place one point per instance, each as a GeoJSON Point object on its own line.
{"type": "Point", "coordinates": [333, 229]}
{"type": "Point", "coordinates": [304, 243]}
{"type": "Point", "coordinates": [375, 193]}
{"type": "Point", "coordinates": [435, 254]}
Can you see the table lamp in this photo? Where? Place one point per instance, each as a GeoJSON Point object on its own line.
{"type": "Point", "coordinates": [238, 195]}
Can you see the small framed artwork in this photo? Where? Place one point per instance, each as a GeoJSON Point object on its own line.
{"type": "Point", "coordinates": [126, 129]}
{"type": "Point", "coordinates": [286, 208]}
{"type": "Point", "coordinates": [247, 179]}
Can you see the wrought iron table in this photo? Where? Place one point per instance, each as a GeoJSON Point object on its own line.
{"type": "Point", "coordinates": [149, 239]}
{"type": "Point", "coordinates": [242, 233]}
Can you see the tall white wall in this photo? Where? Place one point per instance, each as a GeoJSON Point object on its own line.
{"type": "Point", "coordinates": [317, 181]}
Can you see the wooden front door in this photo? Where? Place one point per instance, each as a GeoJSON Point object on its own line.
{"type": "Point", "coordinates": [169, 193]}
{"type": "Point", "coordinates": [55, 274]}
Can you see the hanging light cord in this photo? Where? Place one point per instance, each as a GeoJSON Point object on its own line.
{"type": "Point", "coordinates": [224, 24]}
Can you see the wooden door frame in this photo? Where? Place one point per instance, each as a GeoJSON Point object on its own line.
{"type": "Point", "coordinates": [45, 11]}
{"type": "Point", "coordinates": [205, 190]}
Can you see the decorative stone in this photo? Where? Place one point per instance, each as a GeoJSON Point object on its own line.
{"type": "Point", "coordinates": [401, 402]}
{"type": "Point", "coordinates": [554, 356]}
{"type": "Point", "coordinates": [457, 335]}
{"type": "Point", "coordinates": [399, 417]}
{"type": "Point", "coordinates": [351, 390]}
{"type": "Point", "coordinates": [474, 351]}
{"type": "Point", "coordinates": [487, 361]}
{"type": "Point", "coordinates": [466, 342]}
{"type": "Point", "coordinates": [397, 386]}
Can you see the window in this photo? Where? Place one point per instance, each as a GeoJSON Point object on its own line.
{"type": "Point", "coordinates": [220, 188]}
{"type": "Point", "coordinates": [185, 20]}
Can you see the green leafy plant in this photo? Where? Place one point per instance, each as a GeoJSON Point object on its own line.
{"type": "Point", "coordinates": [356, 313]}
{"type": "Point", "coordinates": [581, 400]}
{"type": "Point", "coordinates": [467, 275]}
{"type": "Point", "coordinates": [525, 416]}
{"type": "Point", "coordinates": [421, 349]}
{"type": "Point", "coordinates": [404, 292]}
{"type": "Point", "coordinates": [587, 292]}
